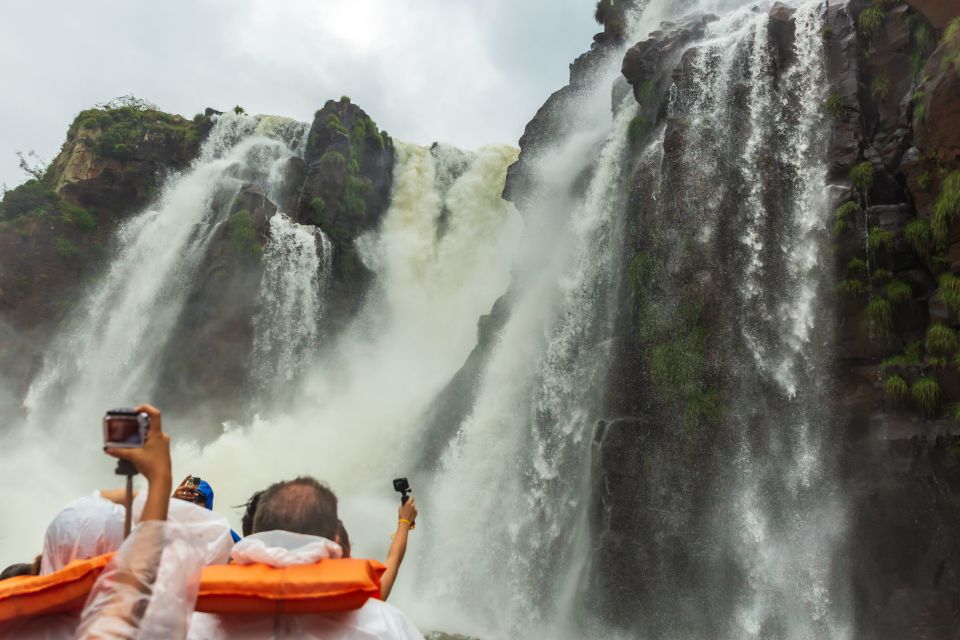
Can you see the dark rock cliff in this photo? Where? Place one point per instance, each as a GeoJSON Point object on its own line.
{"type": "Point", "coordinates": [56, 233]}
{"type": "Point", "coordinates": [55, 230]}
{"type": "Point", "coordinates": [894, 115]}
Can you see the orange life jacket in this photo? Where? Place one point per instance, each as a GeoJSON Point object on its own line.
{"type": "Point", "coordinates": [64, 590]}
{"type": "Point", "coordinates": [329, 585]}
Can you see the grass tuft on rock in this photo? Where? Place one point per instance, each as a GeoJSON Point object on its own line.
{"type": "Point", "coordinates": [834, 105]}
{"type": "Point", "coordinates": [880, 88]}
{"type": "Point", "coordinates": [917, 235]}
{"type": "Point", "coordinates": [870, 20]}
{"type": "Point", "coordinates": [896, 389]}
{"type": "Point", "coordinates": [862, 176]}
{"type": "Point", "coordinates": [898, 292]}
{"type": "Point", "coordinates": [878, 317]}
{"type": "Point", "coordinates": [946, 208]}
{"type": "Point", "coordinates": [949, 291]}
{"type": "Point", "coordinates": [879, 239]}
{"type": "Point", "coordinates": [926, 394]}
{"type": "Point", "coordinates": [857, 266]}
{"type": "Point", "coordinates": [851, 288]}
{"type": "Point", "coordinates": [639, 126]}
{"type": "Point", "coordinates": [882, 275]}
{"type": "Point", "coordinates": [940, 340]}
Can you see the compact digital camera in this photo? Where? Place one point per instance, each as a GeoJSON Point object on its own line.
{"type": "Point", "coordinates": [125, 429]}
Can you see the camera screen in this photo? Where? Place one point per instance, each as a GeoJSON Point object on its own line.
{"type": "Point", "coordinates": [123, 430]}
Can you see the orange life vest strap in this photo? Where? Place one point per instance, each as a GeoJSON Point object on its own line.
{"type": "Point", "coordinates": [329, 585]}
{"type": "Point", "coordinates": [64, 590]}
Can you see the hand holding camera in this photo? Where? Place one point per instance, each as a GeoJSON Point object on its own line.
{"type": "Point", "coordinates": [137, 436]}
{"type": "Point", "coordinates": [188, 490]}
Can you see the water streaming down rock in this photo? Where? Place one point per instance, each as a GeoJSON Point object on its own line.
{"type": "Point", "coordinates": [297, 264]}
{"type": "Point", "coordinates": [111, 348]}
{"type": "Point", "coordinates": [108, 351]}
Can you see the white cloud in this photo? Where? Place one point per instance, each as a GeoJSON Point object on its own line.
{"type": "Point", "coordinates": [461, 71]}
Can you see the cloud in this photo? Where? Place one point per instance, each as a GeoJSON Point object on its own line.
{"type": "Point", "coordinates": [459, 71]}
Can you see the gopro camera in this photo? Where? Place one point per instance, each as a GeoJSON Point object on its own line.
{"type": "Point", "coordinates": [125, 429]}
{"type": "Point", "coordinates": [402, 486]}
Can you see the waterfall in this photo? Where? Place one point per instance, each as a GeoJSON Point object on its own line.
{"type": "Point", "coordinates": [297, 267]}
{"type": "Point", "coordinates": [109, 350]}
{"type": "Point", "coordinates": [735, 513]}
{"type": "Point", "coordinates": [353, 419]}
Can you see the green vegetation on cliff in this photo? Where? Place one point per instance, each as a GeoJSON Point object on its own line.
{"type": "Point", "coordinates": [119, 131]}
{"type": "Point", "coordinates": [242, 233]}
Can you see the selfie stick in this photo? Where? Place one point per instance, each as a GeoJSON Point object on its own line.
{"type": "Point", "coordinates": [127, 468]}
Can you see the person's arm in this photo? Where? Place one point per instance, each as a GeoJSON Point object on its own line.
{"type": "Point", "coordinates": [406, 518]}
{"type": "Point", "coordinates": [153, 461]}
{"type": "Point", "coordinates": [123, 591]}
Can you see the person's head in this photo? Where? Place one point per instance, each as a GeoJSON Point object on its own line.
{"type": "Point", "coordinates": [19, 569]}
{"type": "Point", "coordinates": [302, 505]}
{"type": "Point", "coordinates": [250, 509]}
{"type": "Point", "coordinates": [343, 539]}
{"type": "Point", "coordinates": [87, 527]}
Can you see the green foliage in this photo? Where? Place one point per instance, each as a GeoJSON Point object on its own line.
{"type": "Point", "coordinates": [637, 130]}
{"type": "Point", "coordinates": [917, 235]}
{"type": "Point", "coordinates": [704, 406]}
{"type": "Point", "coordinates": [242, 234]}
{"type": "Point", "coordinates": [925, 393]}
{"type": "Point", "coordinates": [919, 109]}
{"type": "Point", "coordinates": [851, 288]}
{"type": "Point", "coordinates": [878, 317]}
{"type": "Point", "coordinates": [922, 36]}
{"type": "Point", "coordinates": [898, 292]}
{"type": "Point", "coordinates": [846, 210]}
{"type": "Point", "coordinates": [856, 266]}
{"type": "Point", "coordinates": [78, 217]}
{"type": "Point", "coordinates": [65, 248]}
{"type": "Point", "coordinates": [882, 275]}
{"type": "Point", "coordinates": [119, 131]}
{"type": "Point", "coordinates": [29, 197]}
{"type": "Point", "coordinates": [839, 226]}
{"type": "Point", "coordinates": [640, 271]}
{"type": "Point", "coordinates": [940, 340]}
{"type": "Point", "coordinates": [878, 239]}
{"type": "Point", "coordinates": [896, 389]}
{"type": "Point", "coordinates": [353, 196]}
{"type": "Point", "coordinates": [333, 160]}
{"type": "Point", "coordinates": [946, 208]}
{"type": "Point", "coordinates": [939, 262]}
{"type": "Point", "coordinates": [862, 176]}
{"type": "Point", "coordinates": [951, 45]}
{"type": "Point", "coordinates": [645, 91]}
{"type": "Point", "coordinates": [880, 88]}
{"type": "Point", "coordinates": [870, 20]}
{"type": "Point", "coordinates": [949, 291]}
{"type": "Point", "coordinates": [826, 33]}
{"type": "Point", "coordinates": [923, 180]}
{"type": "Point", "coordinates": [239, 110]}
{"type": "Point", "coordinates": [334, 124]}
{"type": "Point", "coordinates": [677, 364]}
{"type": "Point", "coordinates": [834, 105]}
{"type": "Point", "coordinates": [912, 356]}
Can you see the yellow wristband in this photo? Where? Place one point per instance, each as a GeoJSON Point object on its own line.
{"type": "Point", "coordinates": [407, 521]}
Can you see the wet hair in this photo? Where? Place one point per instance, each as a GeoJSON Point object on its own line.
{"type": "Point", "coordinates": [19, 569]}
{"type": "Point", "coordinates": [250, 508]}
{"type": "Point", "coordinates": [343, 538]}
{"type": "Point", "coordinates": [301, 505]}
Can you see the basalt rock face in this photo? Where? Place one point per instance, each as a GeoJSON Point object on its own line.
{"type": "Point", "coordinates": [208, 357]}
{"type": "Point", "coordinates": [893, 114]}
{"type": "Point", "coordinates": [55, 231]}
{"type": "Point", "coordinates": [347, 174]}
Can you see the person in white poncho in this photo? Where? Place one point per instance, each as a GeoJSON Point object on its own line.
{"type": "Point", "coordinates": [295, 523]}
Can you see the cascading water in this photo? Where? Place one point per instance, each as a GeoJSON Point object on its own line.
{"type": "Point", "coordinates": [297, 266]}
{"type": "Point", "coordinates": [503, 548]}
{"type": "Point", "coordinates": [108, 352]}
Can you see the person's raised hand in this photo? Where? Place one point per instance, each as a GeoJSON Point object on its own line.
{"type": "Point", "coordinates": [153, 458]}
{"type": "Point", "coordinates": [408, 512]}
{"type": "Point", "coordinates": [186, 491]}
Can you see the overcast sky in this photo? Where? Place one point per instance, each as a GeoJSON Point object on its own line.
{"type": "Point", "coordinates": [467, 72]}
